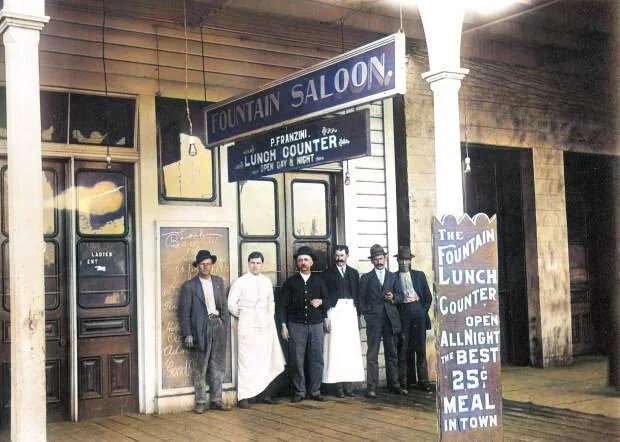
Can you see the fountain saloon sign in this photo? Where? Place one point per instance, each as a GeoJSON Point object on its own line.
{"type": "Point", "coordinates": [371, 72]}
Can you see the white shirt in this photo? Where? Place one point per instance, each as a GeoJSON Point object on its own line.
{"type": "Point", "coordinates": [341, 269]}
{"type": "Point", "coordinates": [207, 289]}
{"type": "Point", "coordinates": [305, 277]}
{"type": "Point", "coordinates": [410, 293]}
{"type": "Point", "coordinates": [380, 275]}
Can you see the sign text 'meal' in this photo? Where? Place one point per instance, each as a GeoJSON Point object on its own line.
{"type": "Point", "coordinates": [368, 73]}
{"type": "Point", "coordinates": [305, 145]}
{"type": "Point", "coordinates": [469, 397]}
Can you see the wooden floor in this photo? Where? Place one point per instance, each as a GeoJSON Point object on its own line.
{"type": "Point", "coordinates": [388, 418]}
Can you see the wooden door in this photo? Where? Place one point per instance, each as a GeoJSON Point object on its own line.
{"type": "Point", "coordinates": [494, 187]}
{"type": "Point", "coordinates": [57, 365]}
{"type": "Point", "coordinates": [107, 362]}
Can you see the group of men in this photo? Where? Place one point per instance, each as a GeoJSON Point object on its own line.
{"type": "Point", "coordinates": [319, 317]}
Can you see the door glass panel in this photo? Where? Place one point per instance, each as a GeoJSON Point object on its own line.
{"type": "Point", "coordinates": [257, 208]}
{"type": "Point", "coordinates": [102, 204]}
{"type": "Point", "coordinates": [309, 209]}
{"type": "Point", "coordinates": [321, 251]}
{"type": "Point", "coordinates": [49, 183]}
{"type": "Point", "coordinates": [103, 280]}
{"type": "Point", "coordinates": [50, 272]}
{"type": "Point", "coordinates": [269, 251]}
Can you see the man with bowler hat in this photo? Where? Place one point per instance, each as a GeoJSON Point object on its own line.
{"type": "Point", "coordinates": [379, 291]}
{"type": "Point", "coordinates": [303, 318]}
{"type": "Point", "coordinates": [204, 321]}
{"type": "Point", "coordinates": [414, 321]}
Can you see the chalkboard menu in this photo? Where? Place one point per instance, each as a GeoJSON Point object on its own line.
{"type": "Point", "coordinates": [177, 248]}
{"type": "Point", "coordinates": [469, 397]}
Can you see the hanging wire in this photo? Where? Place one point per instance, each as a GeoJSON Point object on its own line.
{"type": "Point", "coordinates": [204, 74]}
{"type": "Point", "coordinates": [192, 143]}
{"type": "Point", "coordinates": [158, 92]}
{"type": "Point", "coordinates": [400, 8]}
{"type": "Point", "coordinates": [106, 116]}
{"type": "Point", "coordinates": [347, 175]}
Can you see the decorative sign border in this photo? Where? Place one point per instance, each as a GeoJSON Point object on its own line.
{"type": "Point", "coordinates": [371, 72]}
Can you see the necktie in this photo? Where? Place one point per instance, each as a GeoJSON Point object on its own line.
{"type": "Point", "coordinates": [341, 271]}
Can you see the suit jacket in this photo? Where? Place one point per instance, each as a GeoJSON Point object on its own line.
{"type": "Point", "coordinates": [334, 282]}
{"type": "Point", "coordinates": [372, 297]}
{"type": "Point", "coordinates": [420, 285]}
{"type": "Point", "coordinates": [193, 308]}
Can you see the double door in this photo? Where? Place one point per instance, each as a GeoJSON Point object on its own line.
{"type": "Point", "coordinates": [279, 214]}
{"type": "Point", "coordinates": [90, 306]}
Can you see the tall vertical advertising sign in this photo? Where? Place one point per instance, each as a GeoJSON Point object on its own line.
{"type": "Point", "coordinates": [469, 396]}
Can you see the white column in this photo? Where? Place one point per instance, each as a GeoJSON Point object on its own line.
{"type": "Point", "coordinates": [20, 24]}
{"type": "Point", "coordinates": [443, 22]}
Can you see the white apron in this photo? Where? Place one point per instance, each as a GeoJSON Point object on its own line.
{"type": "Point", "coordinates": [260, 358]}
{"type": "Point", "coordinates": [342, 352]}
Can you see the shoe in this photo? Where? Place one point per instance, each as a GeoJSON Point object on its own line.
{"type": "Point", "coordinates": [399, 390]}
{"type": "Point", "coordinates": [199, 408]}
{"type": "Point", "coordinates": [219, 406]}
{"type": "Point", "coordinates": [425, 386]}
{"type": "Point", "coordinates": [349, 393]}
{"type": "Point", "coordinates": [340, 393]}
{"type": "Point", "coordinates": [318, 398]}
{"type": "Point", "coordinates": [244, 404]}
{"type": "Point", "coordinates": [271, 401]}
{"type": "Point", "coordinates": [371, 394]}
{"type": "Point", "coordinates": [296, 399]}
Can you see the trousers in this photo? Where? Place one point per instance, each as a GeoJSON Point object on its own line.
{"type": "Point", "coordinates": [210, 362]}
{"type": "Point", "coordinates": [412, 352]}
{"type": "Point", "coordinates": [306, 349]}
{"type": "Point", "coordinates": [378, 327]}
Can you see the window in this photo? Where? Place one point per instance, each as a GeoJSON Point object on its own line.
{"type": "Point", "coordinates": [185, 172]}
{"type": "Point", "coordinates": [257, 208]}
{"type": "Point", "coordinates": [102, 203]}
{"type": "Point", "coordinates": [82, 119]}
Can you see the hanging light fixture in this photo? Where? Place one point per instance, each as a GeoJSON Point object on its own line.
{"type": "Point", "coordinates": [467, 168]}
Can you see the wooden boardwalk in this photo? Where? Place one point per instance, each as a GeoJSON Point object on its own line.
{"type": "Point", "coordinates": [389, 418]}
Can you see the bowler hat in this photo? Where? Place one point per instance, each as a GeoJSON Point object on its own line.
{"type": "Point", "coordinates": [376, 250]}
{"type": "Point", "coordinates": [202, 255]}
{"type": "Point", "coordinates": [305, 250]}
{"type": "Point", "coordinates": [404, 252]}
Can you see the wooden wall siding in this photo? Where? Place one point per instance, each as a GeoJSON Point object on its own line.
{"type": "Point", "coordinates": [145, 50]}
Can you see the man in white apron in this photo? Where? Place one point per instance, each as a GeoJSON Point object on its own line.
{"type": "Point", "coordinates": [342, 348]}
{"type": "Point", "coordinates": [260, 357]}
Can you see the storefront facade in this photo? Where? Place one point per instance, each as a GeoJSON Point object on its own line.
{"type": "Point", "coordinates": [120, 240]}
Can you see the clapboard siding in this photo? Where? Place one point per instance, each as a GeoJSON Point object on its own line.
{"type": "Point", "coordinates": [145, 51]}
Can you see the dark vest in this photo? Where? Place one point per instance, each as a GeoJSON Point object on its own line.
{"type": "Point", "coordinates": [345, 287]}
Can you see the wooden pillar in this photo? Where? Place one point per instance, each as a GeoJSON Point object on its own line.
{"type": "Point", "coordinates": [20, 24]}
{"type": "Point", "coordinates": [443, 22]}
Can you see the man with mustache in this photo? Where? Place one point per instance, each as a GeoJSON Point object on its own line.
{"type": "Point", "coordinates": [342, 350]}
{"type": "Point", "coordinates": [302, 315]}
{"type": "Point", "coordinates": [380, 290]}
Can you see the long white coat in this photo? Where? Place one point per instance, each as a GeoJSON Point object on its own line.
{"type": "Point", "coordinates": [260, 357]}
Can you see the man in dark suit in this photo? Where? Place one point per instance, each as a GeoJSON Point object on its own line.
{"type": "Point", "coordinates": [380, 290]}
{"type": "Point", "coordinates": [414, 320]}
{"type": "Point", "coordinates": [342, 350]}
{"type": "Point", "coordinates": [204, 321]}
{"type": "Point", "coordinates": [302, 315]}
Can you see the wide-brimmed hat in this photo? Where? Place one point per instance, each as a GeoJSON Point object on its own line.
{"type": "Point", "coordinates": [202, 255]}
{"type": "Point", "coordinates": [376, 250]}
{"type": "Point", "coordinates": [404, 252]}
{"type": "Point", "coordinates": [305, 250]}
